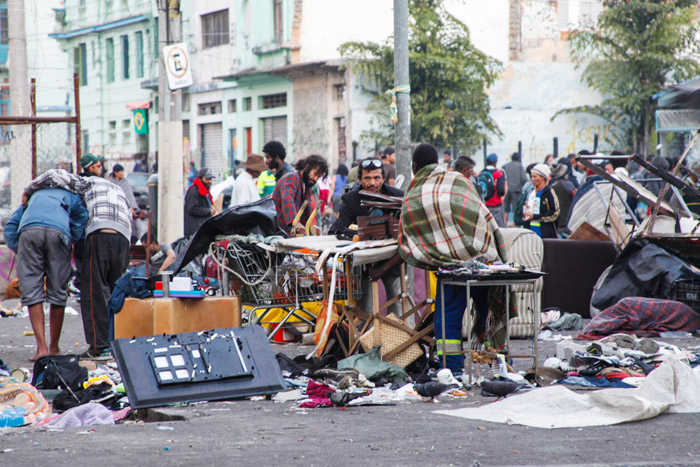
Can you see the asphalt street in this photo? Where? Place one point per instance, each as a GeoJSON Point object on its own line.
{"type": "Point", "coordinates": [264, 432]}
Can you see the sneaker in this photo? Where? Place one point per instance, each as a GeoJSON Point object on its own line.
{"type": "Point", "coordinates": [105, 354]}
{"type": "Point", "coordinates": [73, 289]}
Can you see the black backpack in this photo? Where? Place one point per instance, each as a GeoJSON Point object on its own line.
{"type": "Point", "coordinates": [54, 371]}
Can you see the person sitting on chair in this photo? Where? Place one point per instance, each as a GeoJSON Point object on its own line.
{"type": "Point", "coordinates": [371, 175]}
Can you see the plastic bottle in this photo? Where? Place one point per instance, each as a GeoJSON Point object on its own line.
{"type": "Point", "coordinates": [12, 417]}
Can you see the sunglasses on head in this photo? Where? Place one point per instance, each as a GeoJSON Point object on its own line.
{"type": "Point", "coordinates": [371, 162]}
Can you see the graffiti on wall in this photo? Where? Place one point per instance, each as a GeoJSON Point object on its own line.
{"type": "Point", "coordinates": [582, 136]}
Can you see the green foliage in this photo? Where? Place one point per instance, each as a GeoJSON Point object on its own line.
{"type": "Point", "coordinates": [448, 77]}
{"type": "Point", "coordinates": [637, 49]}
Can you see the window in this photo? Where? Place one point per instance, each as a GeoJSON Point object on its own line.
{"type": "Point", "coordinates": [232, 106]}
{"type": "Point", "coordinates": [139, 55]}
{"type": "Point", "coordinates": [85, 137]}
{"type": "Point", "coordinates": [277, 19]}
{"type": "Point", "coordinates": [125, 57]}
{"type": "Point", "coordinates": [112, 125]}
{"type": "Point", "coordinates": [247, 104]}
{"type": "Point", "coordinates": [339, 92]}
{"type": "Point", "coordinates": [80, 63]}
{"type": "Point", "coordinates": [211, 108]}
{"type": "Point", "coordinates": [4, 35]}
{"type": "Point", "coordinates": [215, 29]}
{"type": "Point", "coordinates": [185, 102]}
{"type": "Point", "coordinates": [274, 100]}
{"type": "Point", "coordinates": [126, 124]}
{"type": "Point", "coordinates": [109, 44]}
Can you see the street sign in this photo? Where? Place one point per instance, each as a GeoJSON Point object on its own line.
{"type": "Point", "coordinates": [177, 66]}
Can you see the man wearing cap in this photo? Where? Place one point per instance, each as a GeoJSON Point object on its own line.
{"type": "Point", "coordinates": [495, 202]}
{"type": "Point", "coordinates": [517, 178]}
{"type": "Point", "coordinates": [274, 158]}
{"type": "Point", "coordinates": [389, 158]}
{"type": "Point", "coordinates": [246, 188]}
{"type": "Point", "coordinates": [106, 250]}
{"type": "Point", "coordinates": [199, 205]}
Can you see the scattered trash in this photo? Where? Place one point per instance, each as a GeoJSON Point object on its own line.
{"type": "Point", "coordinates": [165, 428]}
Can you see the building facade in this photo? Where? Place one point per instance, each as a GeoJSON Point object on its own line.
{"type": "Point", "coordinates": [112, 46]}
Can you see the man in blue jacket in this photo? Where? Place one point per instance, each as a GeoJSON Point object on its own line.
{"type": "Point", "coordinates": [42, 233]}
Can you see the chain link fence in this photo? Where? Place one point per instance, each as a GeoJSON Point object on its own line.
{"type": "Point", "coordinates": [35, 148]}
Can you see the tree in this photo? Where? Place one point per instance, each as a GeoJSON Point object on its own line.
{"type": "Point", "coordinates": [448, 78]}
{"type": "Point", "coordinates": [637, 49]}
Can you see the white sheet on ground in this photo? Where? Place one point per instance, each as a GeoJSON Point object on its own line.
{"type": "Point", "coordinates": [672, 387]}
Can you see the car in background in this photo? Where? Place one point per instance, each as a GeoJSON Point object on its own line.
{"type": "Point", "coordinates": [139, 185]}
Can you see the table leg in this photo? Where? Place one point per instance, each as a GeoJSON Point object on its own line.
{"type": "Point", "coordinates": [468, 311]}
{"type": "Point", "coordinates": [442, 313]}
{"type": "Point", "coordinates": [375, 311]}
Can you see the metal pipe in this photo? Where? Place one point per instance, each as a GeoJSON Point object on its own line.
{"type": "Point", "coordinates": [165, 277]}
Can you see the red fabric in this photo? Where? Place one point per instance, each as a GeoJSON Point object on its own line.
{"type": "Point", "coordinates": [642, 317]}
{"type": "Point", "coordinates": [318, 396]}
{"type": "Point", "coordinates": [495, 200]}
{"type": "Point", "coordinates": [203, 191]}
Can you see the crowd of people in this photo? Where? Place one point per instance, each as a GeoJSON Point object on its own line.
{"type": "Point", "coordinates": [89, 218]}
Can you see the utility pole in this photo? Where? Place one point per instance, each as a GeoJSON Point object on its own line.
{"type": "Point", "coordinates": [402, 130]}
{"type": "Point", "coordinates": [170, 163]}
{"type": "Point", "coordinates": [19, 101]}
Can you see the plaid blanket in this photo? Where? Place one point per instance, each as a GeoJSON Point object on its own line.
{"type": "Point", "coordinates": [642, 317]}
{"type": "Point", "coordinates": [443, 222]}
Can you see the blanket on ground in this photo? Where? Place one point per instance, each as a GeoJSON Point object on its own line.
{"type": "Point", "coordinates": [642, 317]}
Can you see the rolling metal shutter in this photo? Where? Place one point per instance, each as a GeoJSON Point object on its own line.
{"type": "Point", "coordinates": [212, 149]}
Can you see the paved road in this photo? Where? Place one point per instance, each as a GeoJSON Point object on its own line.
{"type": "Point", "coordinates": [268, 433]}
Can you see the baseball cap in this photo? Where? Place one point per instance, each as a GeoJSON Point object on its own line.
{"type": "Point", "coordinates": [205, 173]}
{"type": "Point", "coordinates": [491, 158]}
{"type": "Point", "coordinates": [89, 160]}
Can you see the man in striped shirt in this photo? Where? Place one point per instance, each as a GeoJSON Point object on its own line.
{"type": "Point", "coordinates": [106, 251]}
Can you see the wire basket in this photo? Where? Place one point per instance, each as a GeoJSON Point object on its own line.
{"type": "Point", "coordinates": [285, 279]}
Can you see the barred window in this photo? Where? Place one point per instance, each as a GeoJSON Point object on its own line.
{"type": "Point", "coordinates": [274, 100]}
{"type": "Point", "coordinates": [215, 29]}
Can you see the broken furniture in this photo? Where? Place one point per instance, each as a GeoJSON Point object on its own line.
{"type": "Point", "coordinates": [524, 247]}
{"type": "Point", "coordinates": [198, 366]}
{"type": "Point", "coordinates": [573, 268]}
{"type": "Point", "coordinates": [150, 316]}
{"type": "Point", "coordinates": [501, 279]}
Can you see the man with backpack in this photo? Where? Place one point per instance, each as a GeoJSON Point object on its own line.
{"type": "Point", "coordinates": [494, 187]}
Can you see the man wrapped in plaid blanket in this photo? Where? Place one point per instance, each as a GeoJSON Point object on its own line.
{"type": "Point", "coordinates": [443, 223]}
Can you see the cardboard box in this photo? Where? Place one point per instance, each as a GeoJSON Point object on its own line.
{"type": "Point", "coordinates": [151, 316]}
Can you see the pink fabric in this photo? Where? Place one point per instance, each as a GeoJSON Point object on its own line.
{"type": "Point", "coordinates": [317, 396]}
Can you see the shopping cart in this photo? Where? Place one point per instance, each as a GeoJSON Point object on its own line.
{"type": "Point", "coordinates": [268, 280]}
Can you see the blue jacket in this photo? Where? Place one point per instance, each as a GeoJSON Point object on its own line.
{"type": "Point", "coordinates": [52, 208]}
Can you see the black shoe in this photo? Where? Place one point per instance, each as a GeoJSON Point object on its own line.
{"type": "Point", "coordinates": [105, 354]}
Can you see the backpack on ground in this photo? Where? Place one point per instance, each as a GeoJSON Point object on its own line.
{"type": "Point", "coordinates": [487, 184]}
{"type": "Point", "coordinates": [56, 371]}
